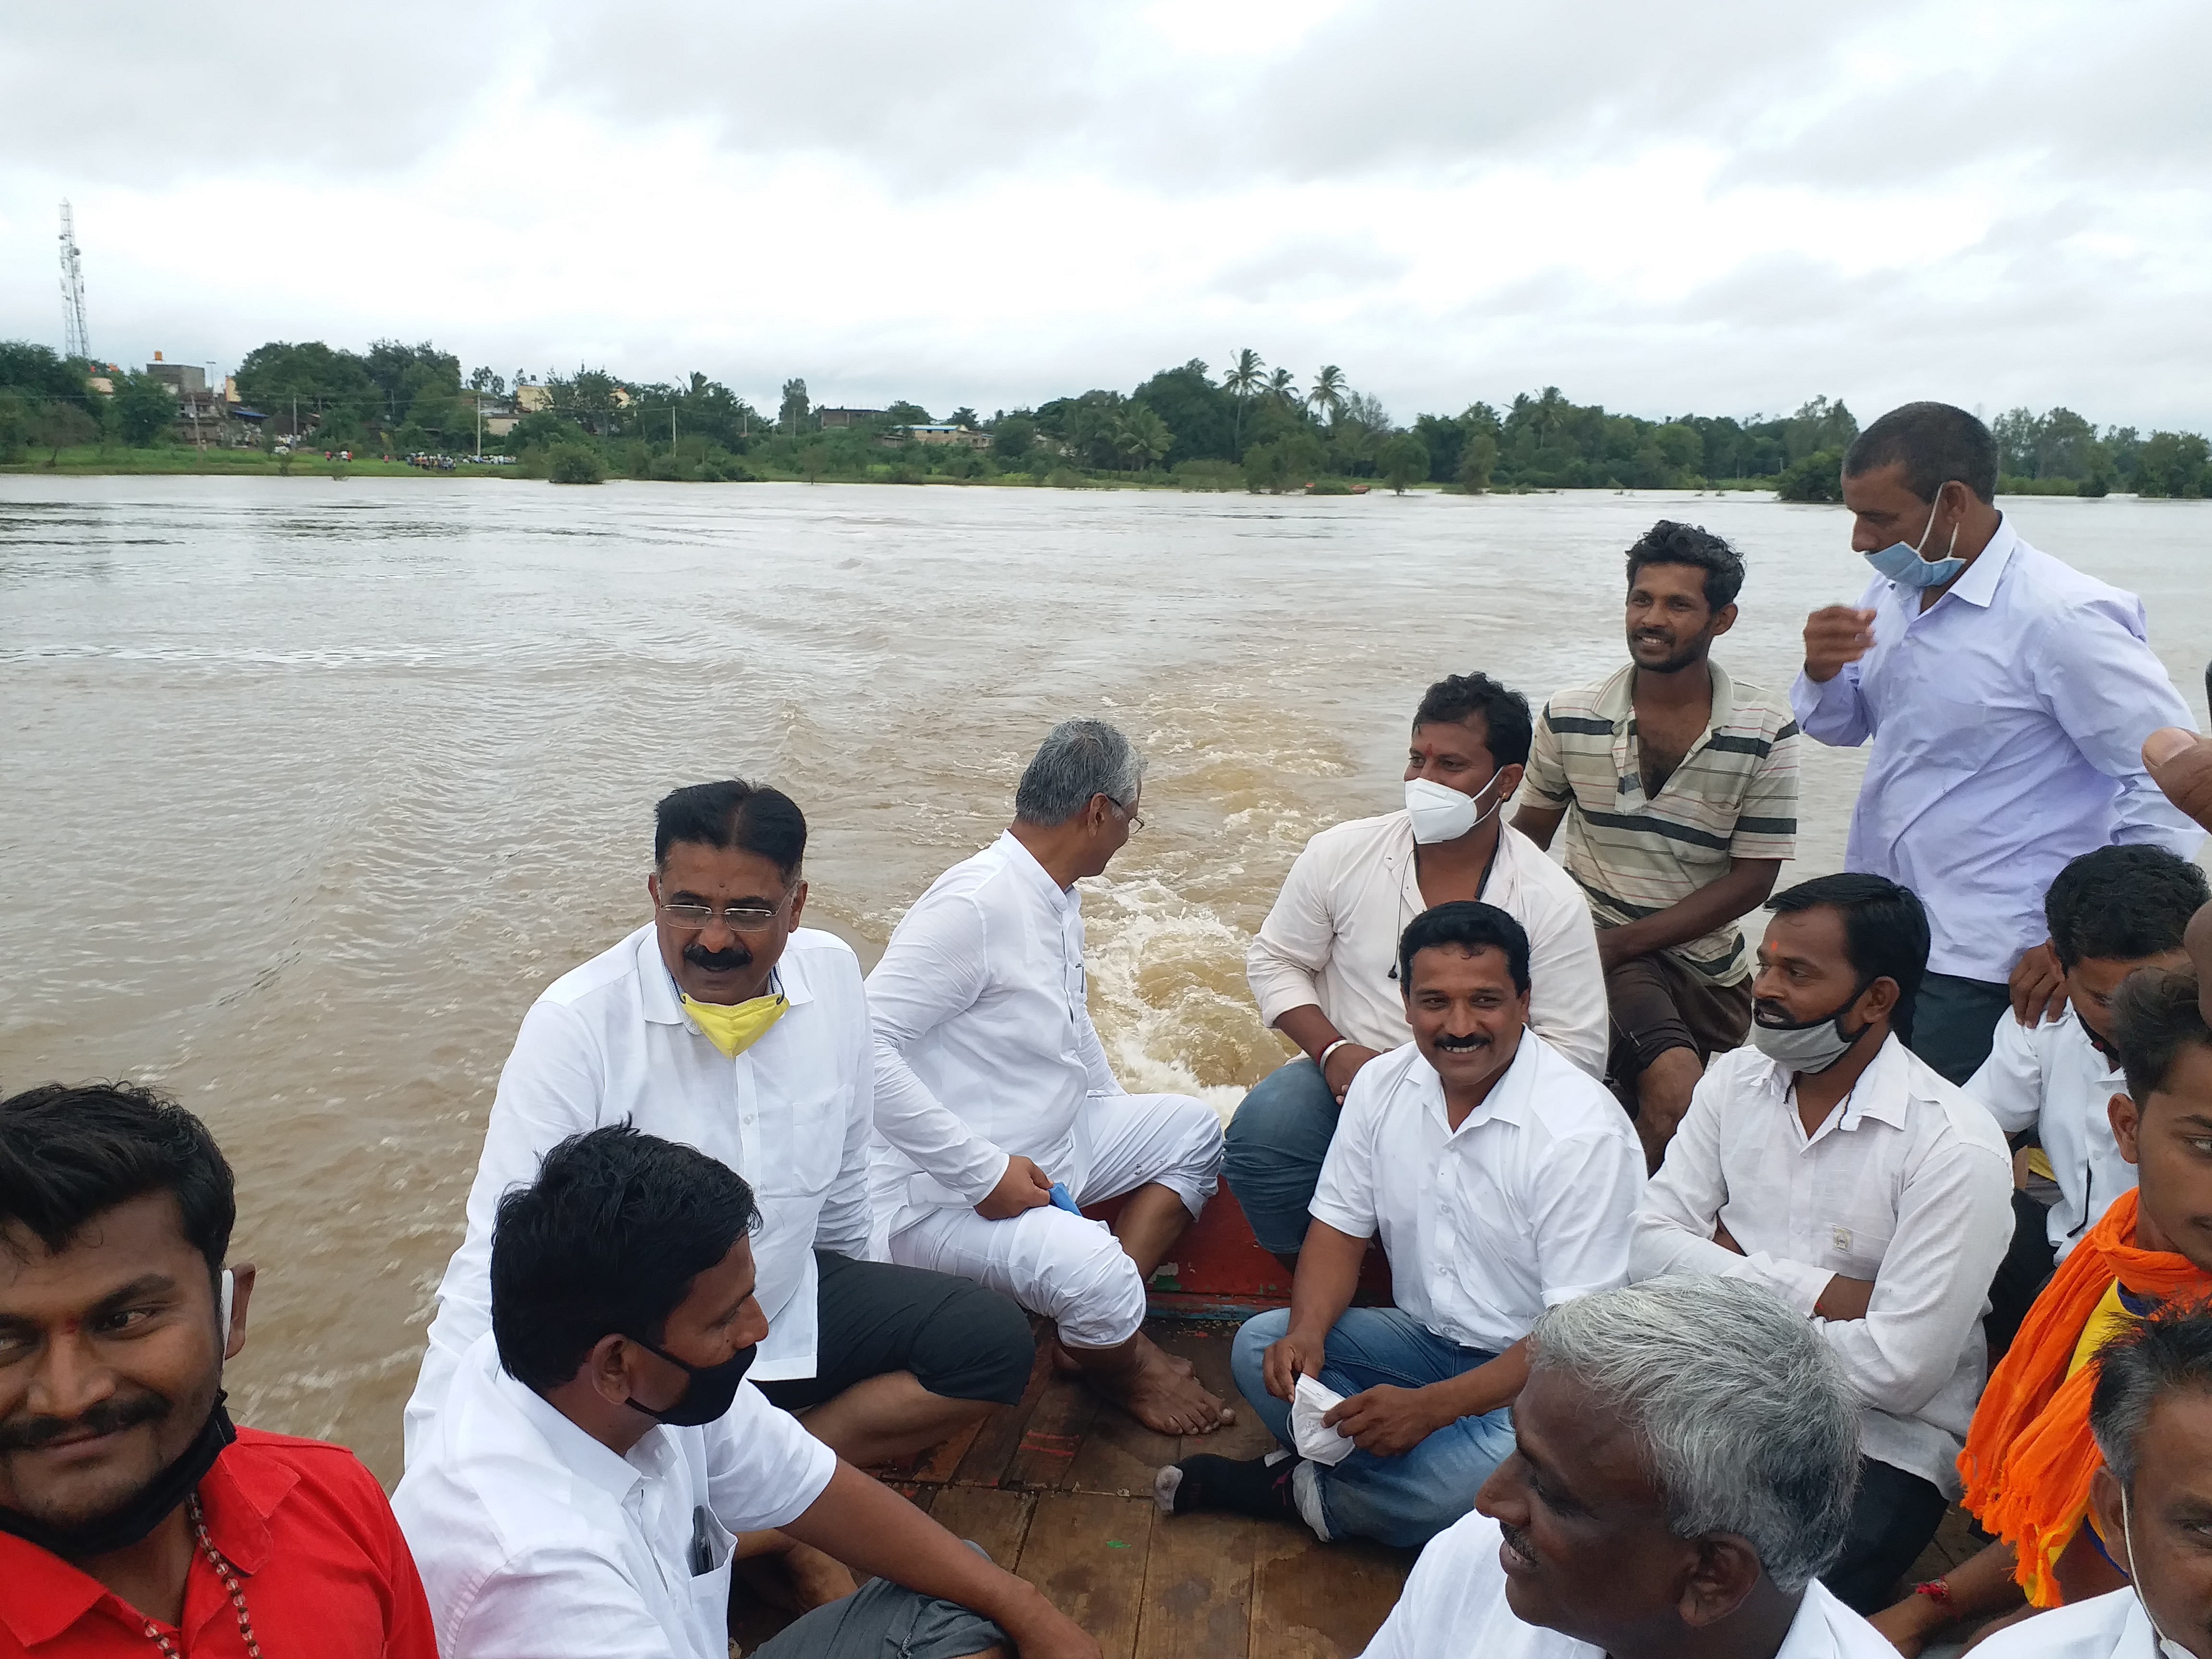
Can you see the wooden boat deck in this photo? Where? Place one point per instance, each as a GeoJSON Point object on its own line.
{"type": "Point", "coordinates": [1059, 1489]}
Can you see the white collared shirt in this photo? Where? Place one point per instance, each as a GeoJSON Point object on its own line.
{"type": "Point", "coordinates": [609, 1042]}
{"type": "Point", "coordinates": [2052, 1078]}
{"type": "Point", "coordinates": [2112, 1625]}
{"type": "Point", "coordinates": [1332, 938]}
{"type": "Point", "coordinates": [1454, 1607]}
{"type": "Point", "coordinates": [984, 1045]}
{"type": "Point", "coordinates": [2007, 721]}
{"type": "Point", "coordinates": [536, 1541]}
{"type": "Point", "coordinates": [1907, 1183]}
{"type": "Point", "coordinates": [1527, 1204]}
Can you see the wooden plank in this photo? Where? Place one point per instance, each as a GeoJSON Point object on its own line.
{"type": "Point", "coordinates": [1198, 1588]}
{"type": "Point", "coordinates": [992, 1516]}
{"type": "Point", "coordinates": [1045, 1456]}
{"type": "Point", "coordinates": [1087, 1553]}
{"type": "Point", "coordinates": [936, 1465]}
{"type": "Point", "coordinates": [1120, 1454]}
{"type": "Point", "coordinates": [1316, 1600]}
{"type": "Point", "coordinates": [985, 1462]}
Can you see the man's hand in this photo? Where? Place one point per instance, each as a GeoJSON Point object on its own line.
{"type": "Point", "coordinates": [1385, 1421]}
{"type": "Point", "coordinates": [1908, 1625]}
{"type": "Point", "coordinates": [1024, 1187]}
{"type": "Point", "coordinates": [2039, 986]}
{"type": "Point", "coordinates": [1836, 634]}
{"type": "Point", "coordinates": [1614, 949]}
{"type": "Point", "coordinates": [1724, 1238]}
{"type": "Point", "coordinates": [2180, 764]}
{"type": "Point", "coordinates": [1295, 1354]}
{"type": "Point", "coordinates": [1844, 1299]}
{"type": "Point", "coordinates": [1344, 1066]}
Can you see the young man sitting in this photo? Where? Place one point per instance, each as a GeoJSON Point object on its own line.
{"type": "Point", "coordinates": [2110, 912]}
{"type": "Point", "coordinates": [1323, 964]}
{"type": "Point", "coordinates": [1503, 1181]}
{"type": "Point", "coordinates": [581, 1489]}
{"type": "Point", "coordinates": [1684, 1453]}
{"type": "Point", "coordinates": [2152, 1415]}
{"type": "Point", "coordinates": [134, 1519]}
{"type": "Point", "coordinates": [1831, 1165]}
{"type": "Point", "coordinates": [2030, 1455]}
{"type": "Point", "coordinates": [1677, 786]}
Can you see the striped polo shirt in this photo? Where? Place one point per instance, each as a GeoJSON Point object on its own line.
{"type": "Point", "coordinates": [1735, 796]}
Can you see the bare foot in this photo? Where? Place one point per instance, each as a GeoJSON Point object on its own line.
{"type": "Point", "coordinates": [798, 1580]}
{"type": "Point", "coordinates": [1065, 1363]}
{"type": "Point", "coordinates": [1164, 1399]}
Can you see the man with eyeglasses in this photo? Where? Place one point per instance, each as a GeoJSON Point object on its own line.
{"type": "Point", "coordinates": [725, 1025]}
{"type": "Point", "coordinates": [998, 1113]}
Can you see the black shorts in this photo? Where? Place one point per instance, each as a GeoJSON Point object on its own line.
{"type": "Point", "coordinates": [960, 1340]}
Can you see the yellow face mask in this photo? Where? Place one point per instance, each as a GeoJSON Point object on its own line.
{"type": "Point", "coordinates": [735, 1027]}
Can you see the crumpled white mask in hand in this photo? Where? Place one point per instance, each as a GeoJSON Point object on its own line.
{"type": "Point", "coordinates": [1313, 1437]}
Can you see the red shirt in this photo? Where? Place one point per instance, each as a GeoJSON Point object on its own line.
{"type": "Point", "coordinates": [317, 1552]}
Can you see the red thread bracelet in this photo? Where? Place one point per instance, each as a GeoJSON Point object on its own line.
{"type": "Point", "coordinates": [1936, 1591]}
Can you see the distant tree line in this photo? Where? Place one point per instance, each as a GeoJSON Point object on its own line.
{"type": "Point", "coordinates": [1250, 427]}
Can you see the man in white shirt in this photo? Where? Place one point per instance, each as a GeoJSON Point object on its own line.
{"type": "Point", "coordinates": [580, 1492]}
{"type": "Point", "coordinates": [1323, 966]}
{"type": "Point", "coordinates": [1829, 1163]}
{"type": "Point", "coordinates": [1503, 1182]}
{"type": "Point", "coordinates": [725, 1025]}
{"type": "Point", "coordinates": [2110, 912]}
{"type": "Point", "coordinates": [996, 1113]}
{"type": "Point", "coordinates": [1685, 1459]}
{"type": "Point", "coordinates": [2152, 1415]}
{"type": "Point", "coordinates": [2008, 697]}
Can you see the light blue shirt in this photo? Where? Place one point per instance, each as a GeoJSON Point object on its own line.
{"type": "Point", "coordinates": [2008, 722]}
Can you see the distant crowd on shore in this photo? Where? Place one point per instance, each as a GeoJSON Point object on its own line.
{"type": "Point", "coordinates": [1720, 1266]}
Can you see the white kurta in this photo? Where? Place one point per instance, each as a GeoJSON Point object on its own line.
{"type": "Point", "coordinates": [609, 1042]}
{"type": "Point", "coordinates": [2050, 1077]}
{"type": "Point", "coordinates": [536, 1541]}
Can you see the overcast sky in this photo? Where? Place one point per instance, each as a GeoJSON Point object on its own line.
{"type": "Point", "coordinates": [1660, 208]}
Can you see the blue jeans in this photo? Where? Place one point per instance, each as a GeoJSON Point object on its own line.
{"type": "Point", "coordinates": [1405, 1500]}
{"type": "Point", "coordinates": [1275, 1145]}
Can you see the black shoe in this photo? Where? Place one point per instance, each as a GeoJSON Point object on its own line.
{"type": "Point", "coordinates": [1257, 1486]}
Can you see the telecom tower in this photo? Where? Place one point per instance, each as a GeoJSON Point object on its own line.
{"type": "Point", "coordinates": [76, 341]}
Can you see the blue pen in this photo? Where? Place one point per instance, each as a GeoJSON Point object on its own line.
{"type": "Point", "coordinates": [1059, 1196]}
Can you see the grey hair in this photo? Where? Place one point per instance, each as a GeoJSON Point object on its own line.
{"type": "Point", "coordinates": [2169, 1352]}
{"type": "Point", "coordinates": [1077, 760]}
{"type": "Point", "coordinates": [1747, 1422]}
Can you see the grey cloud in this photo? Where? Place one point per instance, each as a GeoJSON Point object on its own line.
{"type": "Point", "coordinates": [1307, 267]}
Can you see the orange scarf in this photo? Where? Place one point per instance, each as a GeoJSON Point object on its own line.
{"type": "Point", "coordinates": [2029, 1453]}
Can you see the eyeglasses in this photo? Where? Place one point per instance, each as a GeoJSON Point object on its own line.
{"type": "Point", "coordinates": [1135, 822]}
{"type": "Point", "coordinates": [739, 918]}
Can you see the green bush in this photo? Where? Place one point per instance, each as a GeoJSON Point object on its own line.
{"type": "Point", "coordinates": [1818, 477]}
{"type": "Point", "coordinates": [1209, 475]}
{"type": "Point", "coordinates": [573, 463]}
{"type": "Point", "coordinates": [1066, 477]}
{"type": "Point", "coordinates": [2008, 484]}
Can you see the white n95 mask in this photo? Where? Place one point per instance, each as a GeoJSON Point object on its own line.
{"type": "Point", "coordinates": [1442, 813]}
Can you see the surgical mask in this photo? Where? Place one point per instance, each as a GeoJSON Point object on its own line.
{"type": "Point", "coordinates": [146, 1509]}
{"type": "Point", "coordinates": [1442, 813]}
{"type": "Point", "coordinates": [2166, 1645]}
{"type": "Point", "coordinates": [1811, 1046]}
{"type": "Point", "coordinates": [707, 1395]}
{"type": "Point", "coordinates": [1904, 565]}
{"type": "Point", "coordinates": [734, 1027]}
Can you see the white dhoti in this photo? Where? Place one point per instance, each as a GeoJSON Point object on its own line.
{"type": "Point", "coordinates": [1068, 1268]}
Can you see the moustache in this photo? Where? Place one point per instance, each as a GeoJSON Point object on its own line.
{"type": "Point", "coordinates": [717, 962]}
{"type": "Point", "coordinates": [108, 1417]}
{"type": "Point", "coordinates": [1516, 1540]}
{"type": "Point", "coordinates": [1463, 1045]}
{"type": "Point", "coordinates": [1766, 1011]}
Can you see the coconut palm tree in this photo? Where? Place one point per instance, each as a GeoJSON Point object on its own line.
{"type": "Point", "coordinates": [1240, 382]}
{"type": "Point", "coordinates": [1282, 386]}
{"type": "Point", "coordinates": [1327, 393]}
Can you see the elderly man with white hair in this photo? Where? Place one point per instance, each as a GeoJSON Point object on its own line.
{"type": "Point", "coordinates": [1685, 1453]}
{"type": "Point", "coordinates": [997, 1115]}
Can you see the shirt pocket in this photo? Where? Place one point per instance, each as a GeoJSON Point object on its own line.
{"type": "Point", "coordinates": [1852, 1241]}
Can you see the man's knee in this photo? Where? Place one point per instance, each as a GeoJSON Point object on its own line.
{"type": "Point", "coordinates": [1288, 1118]}
{"type": "Point", "coordinates": [977, 1345]}
{"type": "Point", "coordinates": [1194, 1132]}
{"type": "Point", "coordinates": [1095, 1295]}
{"type": "Point", "coordinates": [1247, 1352]}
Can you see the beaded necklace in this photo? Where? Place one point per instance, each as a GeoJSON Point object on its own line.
{"type": "Point", "coordinates": [229, 1579]}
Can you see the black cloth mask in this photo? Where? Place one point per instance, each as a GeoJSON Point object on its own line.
{"type": "Point", "coordinates": [154, 1502]}
{"type": "Point", "coordinates": [709, 1394]}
